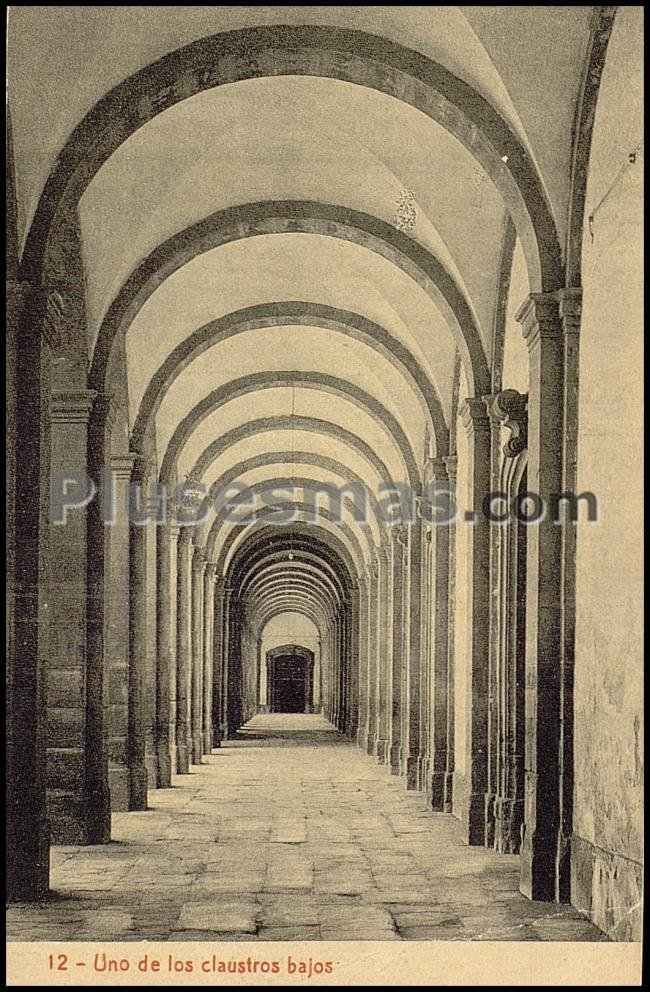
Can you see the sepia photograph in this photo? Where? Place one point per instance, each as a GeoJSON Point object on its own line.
{"type": "Point", "coordinates": [324, 476]}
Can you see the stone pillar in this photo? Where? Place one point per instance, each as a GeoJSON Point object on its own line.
{"type": "Point", "coordinates": [225, 663]}
{"type": "Point", "coordinates": [208, 649]}
{"type": "Point", "coordinates": [217, 660]}
{"type": "Point", "coordinates": [413, 756]}
{"type": "Point", "coordinates": [198, 570]}
{"type": "Point", "coordinates": [116, 636]}
{"type": "Point", "coordinates": [167, 539]}
{"type": "Point", "coordinates": [451, 465]}
{"type": "Point", "coordinates": [542, 328]}
{"type": "Point", "coordinates": [470, 790]}
{"type": "Point", "coordinates": [400, 551]}
{"type": "Point", "coordinates": [505, 786]}
{"type": "Point", "coordinates": [140, 683]}
{"type": "Point", "coordinates": [183, 651]}
{"type": "Point", "coordinates": [29, 359]}
{"type": "Point", "coordinates": [438, 548]}
{"type": "Point", "coordinates": [77, 764]}
{"type": "Point", "coordinates": [362, 721]}
{"type": "Point", "coordinates": [570, 305]}
{"type": "Point", "coordinates": [373, 659]}
{"type": "Point", "coordinates": [354, 661]}
{"type": "Point", "coordinates": [385, 679]}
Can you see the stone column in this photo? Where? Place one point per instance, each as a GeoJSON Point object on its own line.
{"type": "Point", "coordinates": [29, 360]}
{"type": "Point", "coordinates": [116, 636]}
{"type": "Point", "coordinates": [183, 652]}
{"type": "Point", "coordinates": [470, 791]}
{"type": "Point", "coordinates": [77, 765]}
{"type": "Point", "coordinates": [225, 663]}
{"type": "Point", "coordinates": [438, 627]}
{"type": "Point", "coordinates": [412, 758]}
{"type": "Point", "coordinates": [542, 330]}
{"type": "Point", "coordinates": [505, 789]}
{"type": "Point", "coordinates": [570, 306]}
{"type": "Point", "coordinates": [208, 648]}
{"type": "Point", "coordinates": [426, 667]}
{"type": "Point", "coordinates": [451, 465]}
{"type": "Point", "coordinates": [399, 578]}
{"type": "Point", "coordinates": [354, 661]}
{"type": "Point", "coordinates": [198, 570]}
{"type": "Point", "coordinates": [373, 659]}
{"type": "Point", "coordinates": [217, 660]}
{"type": "Point", "coordinates": [362, 721]}
{"type": "Point", "coordinates": [167, 538]}
{"type": "Point", "coordinates": [385, 679]}
{"type": "Point", "coordinates": [140, 685]}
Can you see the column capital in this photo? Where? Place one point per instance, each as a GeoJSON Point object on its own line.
{"type": "Point", "coordinates": [570, 306]}
{"type": "Point", "coordinates": [451, 464]}
{"type": "Point", "coordinates": [539, 316]}
{"type": "Point", "coordinates": [122, 465]}
{"type": "Point", "coordinates": [473, 414]}
{"type": "Point", "coordinates": [72, 406]}
{"type": "Point", "coordinates": [199, 561]}
{"type": "Point", "coordinates": [210, 571]}
{"type": "Point", "coordinates": [510, 409]}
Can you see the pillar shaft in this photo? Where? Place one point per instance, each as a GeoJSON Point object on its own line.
{"type": "Point", "coordinates": [208, 654]}
{"type": "Point", "coordinates": [183, 649]}
{"type": "Point", "coordinates": [77, 764]}
{"type": "Point", "coordinates": [198, 570]}
{"type": "Point", "coordinates": [540, 319]}
{"type": "Point", "coordinates": [470, 788]}
{"type": "Point", "coordinates": [167, 538]}
{"type": "Point", "coordinates": [113, 611]}
{"type": "Point", "coordinates": [438, 627]}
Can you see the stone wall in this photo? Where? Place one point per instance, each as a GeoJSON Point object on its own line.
{"type": "Point", "coordinates": [607, 845]}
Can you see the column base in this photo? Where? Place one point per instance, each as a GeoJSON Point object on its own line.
{"type": "Point", "coordinates": [437, 791]}
{"type": "Point", "coordinates": [381, 750]}
{"type": "Point", "coordinates": [138, 782]}
{"type": "Point", "coordinates": [508, 820]}
{"type": "Point", "coordinates": [537, 861]}
{"type": "Point", "coordinates": [362, 739]}
{"type": "Point", "coordinates": [395, 759]}
{"type": "Point", "coordinates": [182, 759]}
{"type": "Point", "coordinates": [197, 748]}
{"type": "Point", "coordinates": [28, 869]}
{"type": "Point", "coordinates": [410, 768]}
{"type": "Point", "coordinates": [469, 807]}
{"type": "Point", "coordinates": [164, 766]}
{"type": "Point", "coordinates": [119, 788]}
{"type": "Point", "coordinates": [82, 820]}
{"type": "Point", "coordinates": [423, 773]}
{"type": "Point", "coordinates": [207, 741]}
{"type": "Point", "coordinates": [371, 742]}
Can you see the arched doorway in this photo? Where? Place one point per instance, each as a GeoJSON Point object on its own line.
{"type": "Point", "coordinates": [290, 679]}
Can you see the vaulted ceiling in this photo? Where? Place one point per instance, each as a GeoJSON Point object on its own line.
{"type": "Point", "coordinates": [328, 245]}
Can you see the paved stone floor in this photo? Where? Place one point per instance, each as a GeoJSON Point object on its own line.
{"type": "Point", "coordinates": [289, 833]}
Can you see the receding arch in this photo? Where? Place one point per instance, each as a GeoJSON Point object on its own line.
{"type": "Point", "coordinates": [353, 56]}
{"type": "Point", "coordinates": [313, 425]}
{"type": "Point", "coordinates": [272, 380]}
{"type": "Point", "coordinates": [310, 315]}
{"type": "Point", "coordinates": [302, 507]}
{"type": "Point", "coordinates": [295, 217]}
{"type": "Point", "coordinates": [288, 457]}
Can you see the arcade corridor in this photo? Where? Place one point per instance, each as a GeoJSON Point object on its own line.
{"type": "Point", "coordinates": [289, 833]}
{"type": "Point", "coordinates": [322, 321]}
